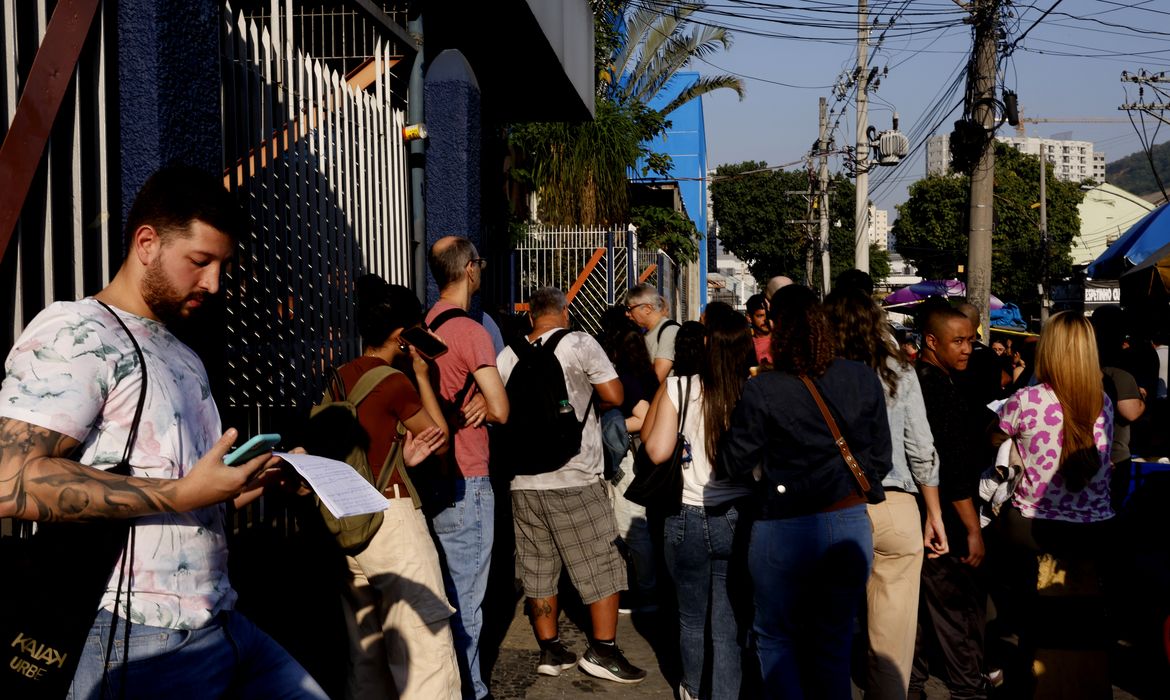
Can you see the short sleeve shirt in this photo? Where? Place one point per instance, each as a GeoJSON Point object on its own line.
{"type": "Point", "coordinates": [1120, 386]}
{"type": "Point", "coordinates": [74, 371]}
{"type": "Point", "coordinates": [394, 400]}
{"type": "Point", "coordinates": [584, 364]}
{"type": "Point", "coordinates": [1034, 419]}
{"type": "Point", "coordinates": [661, 349]}
{"type": "Point", "coordinates": [469, 348]}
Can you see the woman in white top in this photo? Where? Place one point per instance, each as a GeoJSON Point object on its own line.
{"type": "Point", "coordinates": [707, 533]}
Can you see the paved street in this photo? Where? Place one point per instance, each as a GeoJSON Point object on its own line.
{"type": "Point", "coordinates": [515, 674]}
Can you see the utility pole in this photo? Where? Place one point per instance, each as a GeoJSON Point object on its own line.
{"type": "Point", "coordinates": [861, 211]}
{"type": "Point", "coordinates": [1044, 238]}
{"type": "Point", "coordinates": [823, 193]}
{"type": "Point", "coordinates": [980, 102]}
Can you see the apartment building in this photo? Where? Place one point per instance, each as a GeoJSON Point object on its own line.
{"type": "Point", "coordinates": [1072, 161]}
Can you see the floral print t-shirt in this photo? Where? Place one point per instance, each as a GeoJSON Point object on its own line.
{"type": "Point", "coordinates": [1033, 417]}
{"type": "Point", "coordinates": [74, 371]}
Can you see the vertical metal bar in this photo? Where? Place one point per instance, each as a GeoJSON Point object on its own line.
{"type": "Point", "coordinates": [609, 273]}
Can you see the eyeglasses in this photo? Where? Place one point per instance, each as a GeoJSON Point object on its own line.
{"type": "Point", "coordinates": [631, 307]}
{"type": "Point", "coordinates": [481, 263]}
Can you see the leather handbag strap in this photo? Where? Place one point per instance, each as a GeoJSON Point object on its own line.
{"type": "Point", "coordinates": [684, 401]}
{"type": "Point", "coordinates": [850, 460]}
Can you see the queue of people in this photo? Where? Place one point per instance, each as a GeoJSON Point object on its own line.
{"type": "Point", "coordinates": [825, 479]}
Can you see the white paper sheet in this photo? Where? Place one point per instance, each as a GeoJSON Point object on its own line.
{"type": "Point", "coordinates": [343, 491]}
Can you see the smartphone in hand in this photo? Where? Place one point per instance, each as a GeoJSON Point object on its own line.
{"type": "Point", "coordinates": [251, 449]}
{"type": "Point", "coordinates": [427, 343]}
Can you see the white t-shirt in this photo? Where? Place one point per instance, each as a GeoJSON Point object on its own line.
{"type": "Point", "coordinates": [700, 486]}
{"type": "Point", "coordinates": [584, 364]}
{"type": "Point", "coordinates": [74, 371]}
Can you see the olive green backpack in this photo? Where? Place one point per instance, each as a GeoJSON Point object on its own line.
{"type": "Point", "coordinates": [334, 432]}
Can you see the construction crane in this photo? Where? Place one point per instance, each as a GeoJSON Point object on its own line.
{"type": "Point", "coordinates": [1067, 120]}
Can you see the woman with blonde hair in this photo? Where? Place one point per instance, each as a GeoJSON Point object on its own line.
{"type": "Point", "coordinates": [1063, 429]}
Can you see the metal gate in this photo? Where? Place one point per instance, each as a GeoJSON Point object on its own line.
{"type": "Point", "coordinates": [319, 159]}
{"type": "Point", "coordinates": [594, 267]}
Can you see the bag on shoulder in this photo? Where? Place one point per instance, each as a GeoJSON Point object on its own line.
{"type": "Point", "coordinates": [542, 432]}
{"type": "Point", "coordinates": [53, 584]}
{"type": "Point", "coordinates": [335, 432]}
{"type": "Point", "coordinates": [659, 484]}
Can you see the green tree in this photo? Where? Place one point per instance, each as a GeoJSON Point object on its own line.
{"type": "Point", "coordinates": [660, 41]}
{"type": "Point", "coordinates": [755, 207]}
{"type": "Point", "coordinates": [931, 230]}
{"type": "Point", "coordinates": [580, 171]}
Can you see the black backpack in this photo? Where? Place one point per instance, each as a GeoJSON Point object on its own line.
{"type": "Point", "coordinates": [542, 432]}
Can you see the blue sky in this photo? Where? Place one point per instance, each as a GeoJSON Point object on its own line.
{"type": "Point", "coordinates": [1064, 67]}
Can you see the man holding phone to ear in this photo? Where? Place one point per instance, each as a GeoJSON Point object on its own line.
{"type": "Point", "coordinates": [72, 386]}
{"type": "Point", "coordinates": [472, 393]}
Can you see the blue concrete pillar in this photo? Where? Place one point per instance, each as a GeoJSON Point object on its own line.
{"type": "Point", "coordinates": [168, 88]}
{"type": "Point", "coordinates": [452, 104]}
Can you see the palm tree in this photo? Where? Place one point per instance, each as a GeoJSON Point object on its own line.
{"type": "Point", "coordinates": [580, 170]}
{"type": "Point", "coordinates": [660, 41]}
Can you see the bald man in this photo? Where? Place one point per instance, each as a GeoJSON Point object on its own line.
{"type": "Point", "coordinates": [776, 283]}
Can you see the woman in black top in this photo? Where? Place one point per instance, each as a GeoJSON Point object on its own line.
{"type": "Point", "coordinates": [811, 549]}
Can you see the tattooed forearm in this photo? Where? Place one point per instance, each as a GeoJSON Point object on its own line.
{"type": "Point", "coordinates": [38, 483]}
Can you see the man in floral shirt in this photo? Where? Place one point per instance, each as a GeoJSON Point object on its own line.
{"type": "Point", "coordinates": [71, 390]}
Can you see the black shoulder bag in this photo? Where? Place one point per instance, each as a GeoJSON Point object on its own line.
{"type": "Point", "coordinates": [52, 586]}
{"type": "Point", "coordinates": [659, 485]}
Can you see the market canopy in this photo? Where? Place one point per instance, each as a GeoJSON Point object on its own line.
{"type": "Point", "coordinates": [1142, 240]}
{"type": "Point", "coordinates": [921, 291]}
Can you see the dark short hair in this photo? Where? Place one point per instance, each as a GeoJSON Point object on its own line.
{"type": "Point", "coordinates": [756, 302]}
{"type": "Point", "coordinates": [384, 308]}
{"type": "Point", "coordinates": [938, 317]}
{"type": "Point", "coordinates": [854, 279]}
{"type": "Point", "coordinates": [177, 195]}
{"type": "Point", "coordinates": [447, 264]}
{"type": "Point", "coordinates": [546, 300]}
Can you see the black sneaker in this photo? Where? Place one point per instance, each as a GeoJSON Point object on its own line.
{"type": "Point", "coordinates": [554, 659]}
{"type": "Point", "coordinates": [612, 668]}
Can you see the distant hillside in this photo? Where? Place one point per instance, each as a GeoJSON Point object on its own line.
{"type": "Point", "coordinates": [1132, 173]}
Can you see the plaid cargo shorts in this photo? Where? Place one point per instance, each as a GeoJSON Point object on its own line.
{"type": "Point", "coordinates": [570, 525]}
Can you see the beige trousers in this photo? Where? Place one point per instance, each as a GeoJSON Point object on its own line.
{"type": "Point", "coordinates": [397, 614]}
{"type": "Point", "coordinates": [892, 594]}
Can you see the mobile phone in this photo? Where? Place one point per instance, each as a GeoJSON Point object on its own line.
{"type": "Point", "coordinates": [254, 447]}
{"type": "Point", "coordinates": [428, 344]}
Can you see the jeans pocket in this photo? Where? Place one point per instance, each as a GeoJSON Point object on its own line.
{"type": "Point", "coordinates": [676, 529]}
{"type": "Point", "coordinates": [450, 519]}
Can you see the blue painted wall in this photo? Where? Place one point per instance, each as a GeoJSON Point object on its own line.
{"type": "Point", "coordinates": [168, 88]}
{"type": "Point", "coordinates": [686, 144]}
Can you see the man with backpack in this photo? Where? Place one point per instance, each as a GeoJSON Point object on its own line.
{"type": "Point", "coordinates": [561, 508]}
{"type": "Point", "coordinates": [648, 309]}
{"type": "Point", "coordinates": [471, 394]}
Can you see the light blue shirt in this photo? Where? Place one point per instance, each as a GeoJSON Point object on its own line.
{"type": "Point", "coordinates": [914, 458]}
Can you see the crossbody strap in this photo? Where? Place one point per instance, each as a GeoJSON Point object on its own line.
{"type": "Point", "coordinates": [123, 467]}
{"type": "Point", "coordinates": [684, 402]}
{"type": "Point", "coordinates": [850, 460]}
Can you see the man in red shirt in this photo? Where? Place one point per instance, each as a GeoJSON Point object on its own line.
{"type": "Point", "coordinates": [757, 315]}
{"type": "Point", "coordinates": [472, 394]}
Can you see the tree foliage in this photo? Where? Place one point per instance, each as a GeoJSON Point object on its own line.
{"type": "Point", "coordinates": [755, 213]}
{"type": "Point", "coordinates": [580, 171]}
{"type": "Point", "coordinates": [670, 230]}
{"type": "Point", "coordinates": [931, 230]}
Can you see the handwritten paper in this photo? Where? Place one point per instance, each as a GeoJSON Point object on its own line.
{"type": "Point", "coordinates": [343, 491]}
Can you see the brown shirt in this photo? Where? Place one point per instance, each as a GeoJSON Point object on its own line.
{"type": "Point", "coordinates": [392, 401]}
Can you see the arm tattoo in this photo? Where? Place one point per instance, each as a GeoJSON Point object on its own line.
{"type": "Point", "coordinates": [37, 481]}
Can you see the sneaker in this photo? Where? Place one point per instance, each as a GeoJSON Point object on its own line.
{"type": "Point", "coordinates": [612, 668]}
{"type": "Point", "coordinates": [554, 659]}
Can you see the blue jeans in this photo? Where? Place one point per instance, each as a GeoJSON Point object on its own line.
{"type": "Point", "coordinates": [230, 657]}
{"type": "Point", "coordinates": [465, 534]}
{"type": "Point", "coordinates": [809, 574]}
{"type": "Point", "coordinates": [699, 550]}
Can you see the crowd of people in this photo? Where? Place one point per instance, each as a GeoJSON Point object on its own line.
{"type": "Point", "coordinates": [827, 477]}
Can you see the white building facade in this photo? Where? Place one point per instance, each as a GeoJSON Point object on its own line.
{"type": "Point", "coordinates": [1071, 161]}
